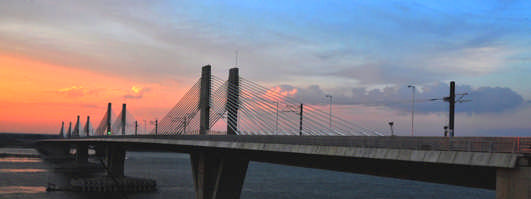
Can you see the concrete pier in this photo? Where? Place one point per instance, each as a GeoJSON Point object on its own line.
{"type": "Point", "coordinates": [115, 159]}
{"type": "Point", "coordinates": [218, 175]}
{"type": "Point", "coordinates": [513, 183]}
{"type": "Point", "coordinates": [83, 175]}
{"type": "Point", "coordinates": [82, 153]}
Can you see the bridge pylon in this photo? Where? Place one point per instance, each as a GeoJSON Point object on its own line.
{"type": "Point", "coordinates": [75, 133]}
{"type": "Point", "coordinates": [109, 117]}
{"type": "Point", "coordinates": [233, 99]}
{"type": "Point", "coordinates": [86, 130]}
{"type": "Point", "coordinates": [124, 113]}
{"type": "Point", "coordinates": [204, 100]}
{"type": "Point", "coordinates": [69, 133]}
{"type": "Point", "coordinates": [62, 131]}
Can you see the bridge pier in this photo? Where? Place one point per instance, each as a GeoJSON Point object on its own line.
{"type": "Point", "coordinates": [82, 153]}
{"type": "Point", "coordinates": [115, 159]}
{"type": "Point", "coordinates": [513, 183]}
{"type": "Point", "coordinates": [218, 175]}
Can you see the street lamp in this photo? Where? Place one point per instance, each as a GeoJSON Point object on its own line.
{"type": "Point", "coordinates": [330, 96]}
{"type": "Point", "coordinates": [391, 126]}
{"type": "Point", "coordinates": [412, 108]}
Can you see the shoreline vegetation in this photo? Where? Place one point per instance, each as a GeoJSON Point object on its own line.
{"type": "Point", "coordinates": [20, 144]}
{"type": "Point", "coordinates": [22, 140]}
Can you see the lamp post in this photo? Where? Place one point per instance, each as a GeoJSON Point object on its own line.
{"type": "Point", "coordinates": [330, 97]}
{"type": "Point", "coordinates": [412, 109]}
{"type": "Point", "coordinates": [391, 126]}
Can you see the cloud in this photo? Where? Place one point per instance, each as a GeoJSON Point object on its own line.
{"type": "Point", "coordinates": [136, 92]}
{"type": "Point", "coordinates": [492, 99]}
{"type": "Point", "coordinates": [389, 43]}
{"type": "Point", "coordinates": [77, 91]}
{"type": "Point", "coordinates": [382, 72]}
{"type": "Point", "coordinates": [432, 66]}
{"type": "Point", "coordinates": [483, 99]}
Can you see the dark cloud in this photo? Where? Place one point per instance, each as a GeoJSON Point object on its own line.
{"type": "Point", "coordinates": [428, 97]}
{"type": "Point", "coordinates": [492, 99]}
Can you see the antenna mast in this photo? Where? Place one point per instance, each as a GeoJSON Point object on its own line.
{"type": "Point", "coordinates": [236, 58]}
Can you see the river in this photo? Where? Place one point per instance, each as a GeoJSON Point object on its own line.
{"type": "Point", "coordinates": [22, 177]}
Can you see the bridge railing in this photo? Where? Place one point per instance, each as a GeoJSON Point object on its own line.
{"type": "Point", "coordinates": [470, 144]}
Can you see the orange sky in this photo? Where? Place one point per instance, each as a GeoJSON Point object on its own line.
{"type": "Point", "coordinates": [37, 96]}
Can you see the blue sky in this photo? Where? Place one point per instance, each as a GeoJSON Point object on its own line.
{"type": "Point", "coordinates": [483, 43]}
{"type": "Point", "coordinates": [361, 51]}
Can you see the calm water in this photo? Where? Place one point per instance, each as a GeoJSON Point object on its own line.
{"type": "Point", "coordinates": [27, 178]}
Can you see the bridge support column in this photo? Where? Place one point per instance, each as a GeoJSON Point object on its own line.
{"type": "Point", "coordinates": [100, 150]}
{"type": "Point", "coordinates": [513, 183]}
{"type": "Point", "coordinates": [82, 153]}
{"type": "Point", "coordinates": [218, 175]}
{"type": "Point", "coordinates": [115, 158]}
{"type": "Point", "coordinates": [204, 101]}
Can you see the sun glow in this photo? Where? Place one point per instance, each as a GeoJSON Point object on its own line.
{"type": "Point", "coordinates": [136, 89]}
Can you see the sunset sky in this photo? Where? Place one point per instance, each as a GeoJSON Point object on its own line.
{"type": "Point", "coordinates": [59, 59]}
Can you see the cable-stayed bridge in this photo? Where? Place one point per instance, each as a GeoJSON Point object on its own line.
{"type": "Point", "coordinates": [264, 125]}
{"type": "Point", "coordinates": [123, 124]}
{"type": "Point", "coordinates": [248, 109]}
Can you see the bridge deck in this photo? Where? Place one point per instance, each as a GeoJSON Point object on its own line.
{"type": "Point", "coordinates": [431, 159]}
{"type": "Point", "coordinates": [471, 151]}
{"type": "Point", "coordinates": [468, 144]}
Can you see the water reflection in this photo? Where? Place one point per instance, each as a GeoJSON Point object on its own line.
{"type": "Point", "coordinates": [22, 189]}
{"type": "Point", "coordinates": [20, 160]}
{"type": "Point", "coordinates": [21, 170]}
